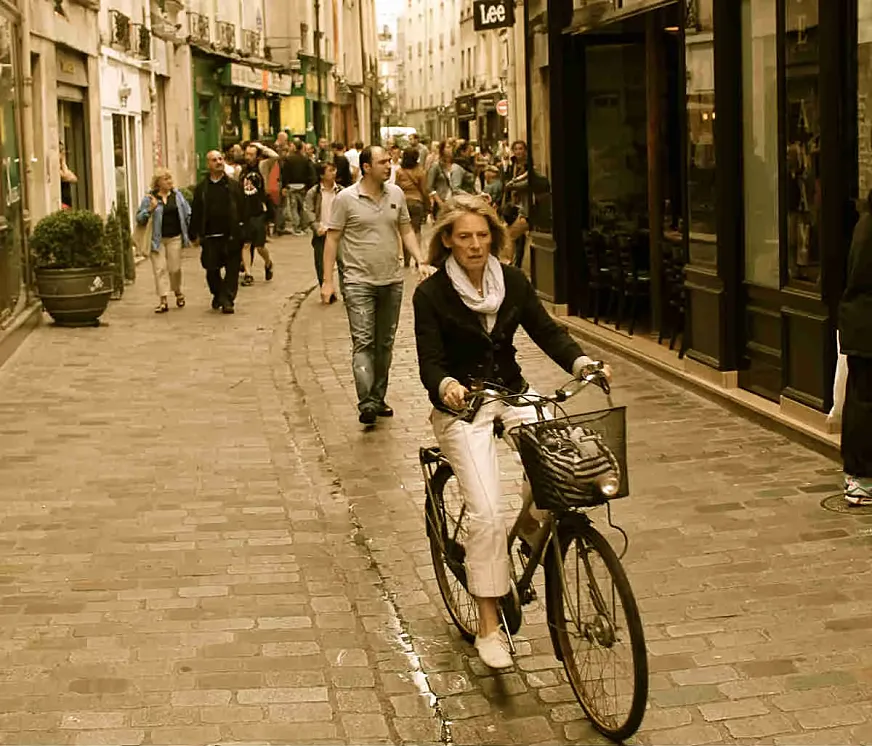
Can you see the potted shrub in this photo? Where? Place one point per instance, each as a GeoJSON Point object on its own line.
{"type": "Point", "coordinates": [73, 266]}
{"type": "Point", "coordinates": [114, 245]}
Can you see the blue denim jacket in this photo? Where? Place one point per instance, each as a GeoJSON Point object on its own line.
{"type": "Point", "coordinates": [184, 217]}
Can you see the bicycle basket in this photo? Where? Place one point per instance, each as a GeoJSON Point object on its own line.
{"type": "Point", "coordinates": [566, 459]}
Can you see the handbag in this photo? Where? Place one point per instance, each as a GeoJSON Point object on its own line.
{"type": "Point", "coordinates": [141, 237]}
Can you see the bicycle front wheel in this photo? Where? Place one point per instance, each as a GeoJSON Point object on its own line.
{"type": "Point", "coordinates": [597, 629]}
{"type": "Point", "coordinates": [448, 532]}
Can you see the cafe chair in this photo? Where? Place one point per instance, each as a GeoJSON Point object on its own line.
{"type": "Point", "coordinates": [632, 278]}
{"type": "Point", "coordinates": [597, 272]}
{"type": "Point", "coordinates": [675, 302]}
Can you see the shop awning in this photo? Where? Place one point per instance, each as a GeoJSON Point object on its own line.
{"type": "Point", "coordinates": [595, 14]}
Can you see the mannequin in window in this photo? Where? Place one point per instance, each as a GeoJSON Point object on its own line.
{"type": "Point", "coordinates": [68, 178]}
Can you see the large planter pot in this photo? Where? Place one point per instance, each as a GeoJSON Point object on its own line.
{"type": "Point", "coordinates": [75, 297]}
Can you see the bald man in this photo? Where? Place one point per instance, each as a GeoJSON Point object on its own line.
{"type": "Point", "coordinates": [217, 213]}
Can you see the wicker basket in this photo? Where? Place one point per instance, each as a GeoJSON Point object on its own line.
{"type": "Point", "coordinates": [568, 460]}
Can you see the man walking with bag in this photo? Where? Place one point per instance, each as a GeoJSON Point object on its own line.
{"type": "Point", "coordinates": [216, 222]}
{"type": "Point", "coordinates": [366, 222]}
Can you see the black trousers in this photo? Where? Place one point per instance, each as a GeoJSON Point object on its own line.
{"type": "Point", "coordinates": [857, 418]}
{"type": "Point", "coordinates": [318, 247]}
{"type": "Point", "coordinates": [520, 245]}
{"type": "Point", "coordinates": [217, 254]}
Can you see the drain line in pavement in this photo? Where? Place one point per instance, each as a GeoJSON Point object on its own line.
{"type": "Point", "coordinates": [402, 635]}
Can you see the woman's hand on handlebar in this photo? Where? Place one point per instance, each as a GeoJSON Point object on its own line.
{"type": "Point", "coordinates": [455, 396]}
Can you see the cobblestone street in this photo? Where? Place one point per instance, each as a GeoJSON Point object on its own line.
{"type": "Point", "coordinates": [200, 545]}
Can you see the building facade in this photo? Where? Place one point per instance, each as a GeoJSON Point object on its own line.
{"type": "Point", "coordinates": [429, 75]}
{"type": "Point", "coordinates": [452, 77]}
{"type": "Point", "coordinates": [734, 135]}
{"type": "Point", "coordinates": [387, 75]}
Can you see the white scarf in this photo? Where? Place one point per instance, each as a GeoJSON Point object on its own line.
{"type": "Point", "coordinates": [493, 293]}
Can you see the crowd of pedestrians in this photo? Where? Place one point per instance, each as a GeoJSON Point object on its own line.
{"type": "Point", "coordinates": [365, 208]}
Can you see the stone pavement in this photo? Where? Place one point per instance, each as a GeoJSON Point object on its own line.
{"type": "Point", "coordinates": [757, 602]}
{"type": "Point", "coordinates": [198, 544]}
{"type": "Point", "coordinates": [176, 567]}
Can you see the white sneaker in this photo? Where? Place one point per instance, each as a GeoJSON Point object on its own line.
{"type": "Point", "coordinates": [494, 650]}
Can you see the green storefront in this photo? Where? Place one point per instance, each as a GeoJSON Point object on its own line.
{"type": "Point", "coordinates": [317, 106]}
{"type": "Point", "coordinates": [234, 103]}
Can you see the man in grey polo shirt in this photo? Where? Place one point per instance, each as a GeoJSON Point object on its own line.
{"type": "Point", "coordinates": [366, 222]}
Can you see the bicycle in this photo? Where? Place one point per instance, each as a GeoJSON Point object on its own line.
{"type": "Point", "coordinates": [566, 544]}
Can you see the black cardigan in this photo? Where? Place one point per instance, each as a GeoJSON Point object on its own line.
{"type": "Point", "coordinates": [197, 227]}
{"type": "Point", "coordinates": [453, 342]}
{"type": "Point", "coordinates": [855, 311]}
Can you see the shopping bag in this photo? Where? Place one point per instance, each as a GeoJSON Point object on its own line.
{"type": "Point", "coordinates": [142, 236]}
{"type": "Point", "coordinates": [839, 385]}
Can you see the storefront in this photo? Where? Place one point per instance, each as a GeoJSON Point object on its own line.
{"type": "Point", "coordinates": [126, 102]}
{"type": "Point", "coordinates": [73, 94]}
{"type": "Point", "coordinates": [13, 255]}
{"type": "Point", "coordinates": [490, 130]}
{"type": "Point", "coordinates": [251, 103]}
{"type": "Point", "coordinates": [464, 106]}
{"type": "Point", "coordinates": [732, 135]}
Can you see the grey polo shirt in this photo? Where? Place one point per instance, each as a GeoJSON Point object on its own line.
{"type": "Point", "coordinates": [369, 234]}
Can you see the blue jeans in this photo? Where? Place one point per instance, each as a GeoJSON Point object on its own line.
{"type": "Point", "coordinates": [373, 315]}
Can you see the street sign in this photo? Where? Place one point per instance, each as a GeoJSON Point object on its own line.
{"type": "Point", "coordinates": [491, 14]}
{"type": "Point", "coordinates": [503, 108]}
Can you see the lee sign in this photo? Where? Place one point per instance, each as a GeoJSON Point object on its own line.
{"type": "Point", "coordinates": [490, 14]}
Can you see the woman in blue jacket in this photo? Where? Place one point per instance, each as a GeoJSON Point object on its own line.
{"type": "Point", "coordinates": [171, 216]}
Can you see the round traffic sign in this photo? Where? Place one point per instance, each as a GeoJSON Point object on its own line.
{"type": "Point", "coordinates": [503, 108]}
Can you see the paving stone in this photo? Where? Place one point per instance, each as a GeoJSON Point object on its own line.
{"type": "Point", "coordinates": [760, 727]}
{"type": "Point", "coordinates": [214, 551]}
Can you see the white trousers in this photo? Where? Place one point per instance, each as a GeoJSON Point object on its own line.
{"type": "Point", "coordinates": [472, 450]}
{"type": "Point", "coordinates": [166, 263]}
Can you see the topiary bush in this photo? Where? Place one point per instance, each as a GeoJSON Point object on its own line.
{"type": "Point", "coordinates": [188, 193]}
{"type": "Point", "coordinates": [69, 239]}
{"type": "Point", "coordinates": [114, 246]}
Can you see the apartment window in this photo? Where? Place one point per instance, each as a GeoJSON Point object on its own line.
{"type": "Point", "coordinates": [304, 37]}
{"type": "Point", "coordinates": [410, 51]}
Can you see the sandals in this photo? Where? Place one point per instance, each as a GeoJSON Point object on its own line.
{"type": "Point", "coordinates": [180, 301]}
{"type": "Point", "coordinates": [162, 307]}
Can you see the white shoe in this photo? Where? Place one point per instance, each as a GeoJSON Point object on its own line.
{"type": "Point", "coordinates": [494, 650]}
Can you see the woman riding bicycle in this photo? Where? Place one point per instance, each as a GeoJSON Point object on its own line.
{"type": "Point", "coordinates": [466, 316]}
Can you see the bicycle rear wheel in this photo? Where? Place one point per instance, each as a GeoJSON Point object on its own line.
{"type": "Point", "coordinates": [447, 530]}
{"type": "Point", "coordinates": [597, 629]}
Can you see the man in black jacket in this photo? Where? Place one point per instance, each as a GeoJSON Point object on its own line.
{"type": "Point", "coordinates": [343, 167]}
{"type": "Point", "coordinates": [855, 331]}
{"type": "Point", "coordinates": [216, 222]}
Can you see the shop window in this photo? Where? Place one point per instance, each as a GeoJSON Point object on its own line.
{"type": "Point", "coordinates": [701, 188]}
{"type": "Point", "coordinates": [802, 119]}
{"type": "Point", "coordinates": [617, 136]}
{"type": "Point", "coordinates": [760, 142]}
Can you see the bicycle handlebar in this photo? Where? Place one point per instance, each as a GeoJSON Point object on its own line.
{"type": "Point", "coordinates": [594, 373]}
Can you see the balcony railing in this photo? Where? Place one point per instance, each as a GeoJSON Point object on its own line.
{"type": "Point", "coordinates": [225, 34]}
{"type": "Point", "coordinates": [141, 40]}
{"type": "Point", "coordinates": [250, 43]}
{"type": "Point", "coordinates": [198, 27]}
{"type": "Point", "coordinates": [119, 30]}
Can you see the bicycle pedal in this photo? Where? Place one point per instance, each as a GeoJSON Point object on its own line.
{"type": "Point", "coordinates": [528, 596]}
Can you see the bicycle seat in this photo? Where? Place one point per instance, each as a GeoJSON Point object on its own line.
{"type": "Point", "coordinates": [430, 455]}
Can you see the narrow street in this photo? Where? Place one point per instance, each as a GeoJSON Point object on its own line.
{"type": "Point", "coordinates": [200, 545]}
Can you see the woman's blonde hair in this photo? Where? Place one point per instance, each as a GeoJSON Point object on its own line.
{"type": "Point", "coordinates": [451, 212]}
{"type": "Point", "coordinates": [159, 173]}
